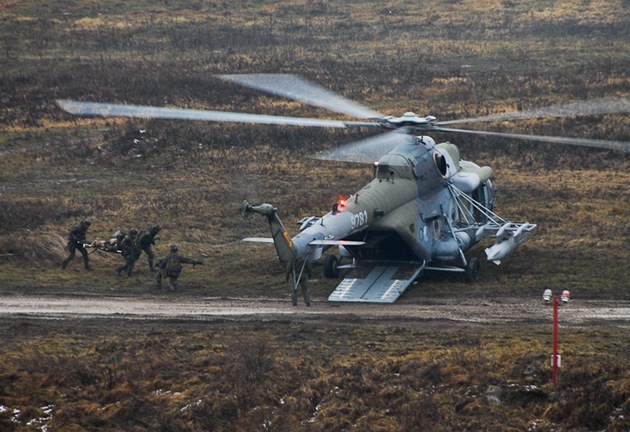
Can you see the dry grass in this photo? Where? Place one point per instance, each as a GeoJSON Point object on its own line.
{"type": "Point", "coordinates": [228, 376]}
{"type": "Point", "coordinates": [192, 177]}
{"type": "Point", "coordinates": [456, 59]}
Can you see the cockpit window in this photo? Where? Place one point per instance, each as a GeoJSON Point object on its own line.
{"type": "Point", "coordinates": [382, 171]}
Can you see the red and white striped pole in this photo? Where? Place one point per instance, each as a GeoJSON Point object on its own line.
{"type": "Point", "coordinates": [555, 359]}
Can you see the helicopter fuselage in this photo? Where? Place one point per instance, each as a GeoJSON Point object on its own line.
{"type": "Point", "coordinates": [407, 213]}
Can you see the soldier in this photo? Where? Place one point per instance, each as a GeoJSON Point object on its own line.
{"type": "Point", "coordinates": [76, 240]}
{"type": "Point", "coordinates": [171, 266]}
{"type": "Point", "coordinates": [302, 270]}
{"type": "Point", "coordinates": [116, 241]}
{"type": "Point", "coordinates": [130, 252]}
{"type": "Point", "coordinates": [147, 238]}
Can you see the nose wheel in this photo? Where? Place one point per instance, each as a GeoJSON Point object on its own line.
{"type": "Point", "coordinates": [473, 270]}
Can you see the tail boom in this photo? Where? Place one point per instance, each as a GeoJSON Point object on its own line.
{"type": "Point", "coordinates": [286, 249]}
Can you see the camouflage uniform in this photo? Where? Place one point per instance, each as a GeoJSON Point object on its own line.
{"type": "Point", "coordinates": [294, 268]}
{"type": "Point", "coordinates": [76, 240]}
{"type": "Point", "coordinates": [130, 252]}
{"type": "Point", "coordinates": [116, 241]}
{"type": "Point", "coordinates": [146, 239]}
{"type": "Point", "coordinates": [171, 266]}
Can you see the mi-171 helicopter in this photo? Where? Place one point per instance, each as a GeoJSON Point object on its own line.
{"type": "Point", "coordinates": [424, 209]}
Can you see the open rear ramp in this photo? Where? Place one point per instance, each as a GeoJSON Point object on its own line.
{"type": "Point", "coordinates": [377, 287]}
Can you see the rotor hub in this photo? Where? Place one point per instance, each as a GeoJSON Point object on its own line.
{"type": "Point", "coordinates": [411, 119]}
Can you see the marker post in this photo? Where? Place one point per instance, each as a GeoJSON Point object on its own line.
{"type": "Point", "coordinates": [555, 358]}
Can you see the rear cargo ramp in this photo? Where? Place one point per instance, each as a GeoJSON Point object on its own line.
{"type": "Point", "coordinates": [377, 287]}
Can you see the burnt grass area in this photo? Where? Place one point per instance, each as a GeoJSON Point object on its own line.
{"type": "Point", "coordinates": [455, 59]}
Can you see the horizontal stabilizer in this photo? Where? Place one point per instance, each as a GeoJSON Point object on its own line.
{"type": "Point", "coordinates": [336, 243]}
{"type": "Point", "coordinates": [313, 243]}
{"type": "Point", "coordinates": [259, 239]}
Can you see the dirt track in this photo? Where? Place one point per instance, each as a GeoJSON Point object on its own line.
{"type": "Point", "coordinates": [471, 311]}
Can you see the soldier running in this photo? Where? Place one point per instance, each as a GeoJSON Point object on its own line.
{"type": "Point", "coordinates": [130, 252]}
{"type": "Point", "coordinates": [147, 238]}
{"type": "Point", "coordinates": [171, 266]}
{"type": "Point", "coordinates": [76, 240]}
{"type": "Point", "coordinates": [302, 270]}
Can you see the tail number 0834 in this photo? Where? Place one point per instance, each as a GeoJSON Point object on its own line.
{"type": "Point", "coordinates": [358, 220]}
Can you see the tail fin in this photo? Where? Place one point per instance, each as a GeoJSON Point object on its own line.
{"type": "Point", "coordinates": [287, 252]}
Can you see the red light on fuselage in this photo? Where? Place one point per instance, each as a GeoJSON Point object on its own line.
{"type": "Point", "coordinates": [338, 206]}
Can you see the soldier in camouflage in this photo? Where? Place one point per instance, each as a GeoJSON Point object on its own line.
{"type": "Point", "coordinates": [171, 266]}
{"type": "Point", "coordinates": [76, 241]}
{"type": "Point", "coordinates": [130, 252]}
{"type": "Point", "coordinates": [146, 239]}
{"type": "Point", "coordinates": [302, 270]}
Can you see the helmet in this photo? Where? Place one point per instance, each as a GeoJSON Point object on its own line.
{"type": "Point", "coordinates": [86, 222]}
{"type": "Point", "coordinates": [133, 232]}
{"type": "Point", "coordinates": [156, 228]}
{"type": "Point", "coordinates": [174, 248]}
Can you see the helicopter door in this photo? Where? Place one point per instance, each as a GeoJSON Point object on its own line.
{"type": "Point", "coordinates": [484, 196]}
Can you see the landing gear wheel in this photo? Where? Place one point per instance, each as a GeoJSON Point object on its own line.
{"type": "Point", "coordinates": [331, 270]}
{"type": "Point", "coordinates": [473, 269]}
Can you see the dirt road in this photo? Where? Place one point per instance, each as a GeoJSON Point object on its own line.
{"type": "Point", "coordinates": [472, 311]}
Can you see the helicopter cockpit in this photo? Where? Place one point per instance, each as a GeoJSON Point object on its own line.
{"type": "Point", "coordinates": [392, 166]}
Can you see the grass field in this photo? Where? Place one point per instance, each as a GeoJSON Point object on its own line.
{"type": "Point", "coordinates": [449, 58]}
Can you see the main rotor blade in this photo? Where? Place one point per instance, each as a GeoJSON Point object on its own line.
{"type": "Point", "coordinates": [143, 111]}
{"type": "Point", "coordinates": [296, 88]}
{"type": "Point", "coordinates": [601, 106]}
{"type": "Point", "coordinates": [368, 150]}
{"type": "Point", "coordinates": [585, 142]}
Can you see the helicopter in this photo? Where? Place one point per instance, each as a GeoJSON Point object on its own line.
{"type": "Point", "coordinates": [424, 209]}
